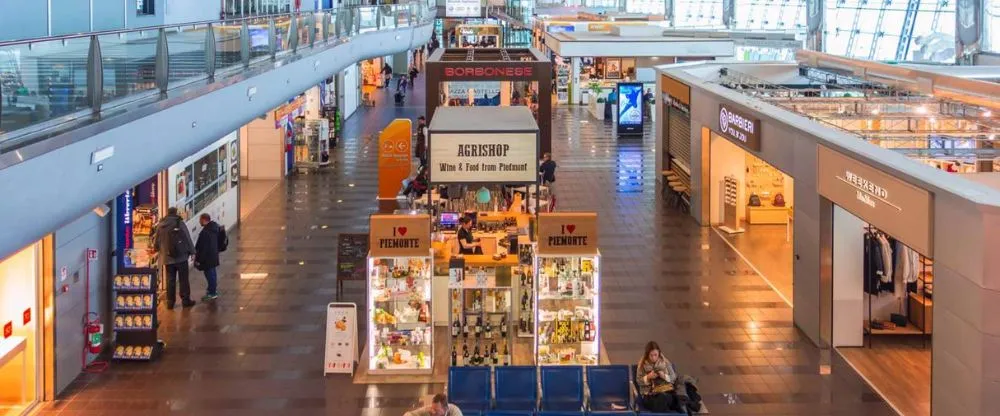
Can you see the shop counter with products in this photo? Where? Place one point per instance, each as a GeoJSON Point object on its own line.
{"type": "Point", "coordinates": [567, 289]}
{"type": "Point", "coordinates": [401, 333]}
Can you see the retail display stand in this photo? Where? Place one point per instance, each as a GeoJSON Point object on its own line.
{"type": "Point", "coordinates": [135, 316]}
{"type": "Point", "coordinates": [312, 143]}
{"type": "Point", "coordinates": [730, 198]}
{"type": "Point", "coordinates": [480, 294]}
{"type": "Point", "coordinates": [567, 271]}
{"type": "Point", "coordinates": [400, 263]}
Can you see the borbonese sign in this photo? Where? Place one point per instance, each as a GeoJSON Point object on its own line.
{"type": "Point", "coordinates": [479, 158]}
{"type": "Point", "coordinates": [739, 127]}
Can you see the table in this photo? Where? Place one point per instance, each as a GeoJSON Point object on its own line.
{"type": "Point", "coordinates": [10, 348]}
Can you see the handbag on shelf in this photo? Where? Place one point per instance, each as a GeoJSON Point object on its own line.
{"type": "Point", "coordinates": [754, 200]}
{"type": "Point", "coordinates": [779, 200]}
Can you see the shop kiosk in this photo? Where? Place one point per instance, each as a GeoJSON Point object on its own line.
{"type": "Point", "coordinates": [484, 167]}
{"type": "Point", "coordinates": [400, 330]}
{"type": "Point", "coordinates": [567, 292]}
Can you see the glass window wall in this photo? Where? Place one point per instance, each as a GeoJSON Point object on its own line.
{"type": "Point", "coordinates": [891, 30]}
{"type": "Point", "coordinates": [991, 21]}
{"type": "Point", "coordinates": [770, 14]}
{"type": "Point", "coordinates": [698, 13]}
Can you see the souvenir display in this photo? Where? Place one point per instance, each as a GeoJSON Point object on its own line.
{"type": "Point", "coordinates": [134, 321]}
{"type": "Point", "coordinates": [567, 323]}
{"type": "Point", "coordinates": [402, 332]}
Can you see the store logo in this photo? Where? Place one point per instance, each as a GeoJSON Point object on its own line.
{"type": "Point", "coordinates": [127, 218]}
{"type": "Point", "coordinates": [736, 125]}
{"type": "Point", "coordinates": [867, 192]}
{"type": "Point", "coordinates": [489, 72]}
{"type": "Point", "coordinates": [397, 240]}
{"type": "Point", "coordinates": [566, 237]}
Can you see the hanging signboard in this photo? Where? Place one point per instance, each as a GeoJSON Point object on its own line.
{"type": "Point", "coordinates": [393, 235]}
{"type": "Point", "coordinates": [630, 108]}
{"type": "Point", "coordinates": [570, 233]}
{"type": "Point", "coordinates": [469, 158]}
{"type": "Point", "coordinates": [889, 204]}
{"type": "Point", "coordinates": [394, 157]}
{"type": "Point", "coordinates": [341, 338]}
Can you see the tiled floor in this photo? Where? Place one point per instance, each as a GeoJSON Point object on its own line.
{"type": "Point", "coordinates": [259, 348]}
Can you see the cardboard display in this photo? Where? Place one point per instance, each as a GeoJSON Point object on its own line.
{"type": "Point", "coordinates": [393, 235]}
{"type": "Point", "coordinates": [568, 233]}
{"type": "Point", "coordinates": [341, 338]}
{"type": "Point", "coordinates": [394, 158]}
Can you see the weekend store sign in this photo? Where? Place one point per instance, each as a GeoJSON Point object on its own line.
{"type": "Point", "coordinates": [889, 204]}
{"type": "Point", "coordinates": [569, 233]}
{"type": "Point", "coordinates": [484, 158]}
{"type": "Point", "coordinates": [739, 127]}
{"type": "Point", "coordinates": [399, 235]}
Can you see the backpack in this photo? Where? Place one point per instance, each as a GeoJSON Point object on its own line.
{"type": "Point", "coordinates": [754, 200]}
{"type": "Point", "coordinates": [779, 200]}
{"type": "Point", "coordinates": [176, 247]}
{"type": "Point", "coordinates": [223, 239]}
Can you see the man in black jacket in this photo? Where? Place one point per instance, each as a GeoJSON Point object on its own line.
{"type": "Point", "coordinates": [206, 256]}
{"type": "Point", "coordinates": [172, 241]}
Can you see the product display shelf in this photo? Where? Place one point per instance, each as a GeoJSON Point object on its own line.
{"type": "Point", "coordinates": [135, 318]}
{"type": "Point", "coordinates": [401, 332]}
{"type": "Point", "coordinates": [481, 319]}
{"type": "Point", "coordinates": [567, 321]}
{"type": "Point", "coordinates": [525, 277]}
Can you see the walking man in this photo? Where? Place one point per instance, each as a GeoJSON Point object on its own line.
{"type": "Point", "coordinates": [173, 242]}
{"type": "Point", "coordinates": [211, 240]}
{"type": "Point", "coordinates": [547, 172]}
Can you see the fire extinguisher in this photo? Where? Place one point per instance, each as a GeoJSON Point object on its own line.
{"type": "Point", "coordinates": [94, 333]}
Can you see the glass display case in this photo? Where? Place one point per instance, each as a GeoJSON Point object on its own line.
{"type": "Point", "coordinates": [567, 290]}
{"type": "Point", "coordinates": [400, 334]}
{"type": "Point", "coordinates": [400, 265]}
{"type": "Point", "coordinates": [481, 322]}
{"type": "Point", "coordinates": [312, 143]}
{"type": "Point", "coordinates": [568, 320]}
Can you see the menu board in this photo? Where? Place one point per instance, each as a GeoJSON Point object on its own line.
{"type": "Point", "coordinates": [352, 252]}
{"type": "Point", "coordinates": [341, 338]}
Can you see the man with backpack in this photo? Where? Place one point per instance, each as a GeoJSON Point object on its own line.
{"type": "Point", "coordinates": [173, 242]}
{"type": "Point", "coordinates": [211, 241]}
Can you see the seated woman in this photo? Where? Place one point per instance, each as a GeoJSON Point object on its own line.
{"type": "Point", "coordinates": [655, 377]}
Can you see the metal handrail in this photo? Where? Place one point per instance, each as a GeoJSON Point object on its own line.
{"type": "Point", "coordinates": [35, 100]}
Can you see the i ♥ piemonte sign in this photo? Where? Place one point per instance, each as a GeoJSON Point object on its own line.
{"type": "Point", "coordinates": [569, 233]}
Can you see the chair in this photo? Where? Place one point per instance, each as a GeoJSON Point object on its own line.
{"type": "Point", "coordinates": [562, 388]}
{"type": "Point", "coordinates": [510, 413]}
{"type": "Point", "coordinates": [609, 385]}
{"type": "Point", "coordinates": [560, 413]}
{"type": "Point", "coordinates": [639, 408]}
{"type": "Point", "coordinates": [469, 388]}
{"type": "Point", "coordinates": [517, 388]}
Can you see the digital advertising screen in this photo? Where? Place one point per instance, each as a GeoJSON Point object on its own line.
{"type": "Point", "coordinates": [630, 108]}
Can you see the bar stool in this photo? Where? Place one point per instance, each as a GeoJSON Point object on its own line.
{"type": "Point", "coordinates": [668, 177]}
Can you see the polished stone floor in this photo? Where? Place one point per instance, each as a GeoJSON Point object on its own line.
{"type": "Point", "coordinates": [259, 348]}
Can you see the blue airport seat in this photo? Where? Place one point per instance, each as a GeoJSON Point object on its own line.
{"type": "Point", "coordinates": [510, 413]}
{"type": "Point", "coordinates": [613, 413]}
{"type": "Point", "coordinates": [516, 388]}
{"type": "Point", "coordinates": [609, 387]}
{"type": "Point", "coordinates": [560, 413]}
{"type": "Point", "coordinates": [562, 388]}
{"type": "Point", "coordinates": [469, 388]}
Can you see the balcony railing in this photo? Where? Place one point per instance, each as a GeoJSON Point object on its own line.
{"type": "Point", "coordinates": [48, 82]}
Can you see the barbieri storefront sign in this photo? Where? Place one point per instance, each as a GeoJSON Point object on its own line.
{"type": "Point", "coordinates": [484, 158]}
{"type": "Point", "coordinates": [740, 127]}
{"type": "Point", "coordinates": [887, 203]}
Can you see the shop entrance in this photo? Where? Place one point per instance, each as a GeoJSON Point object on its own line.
{"type": "Point", "coordinates": [22, 355]}
{"type": "Point", "coordinates": [751, 207]}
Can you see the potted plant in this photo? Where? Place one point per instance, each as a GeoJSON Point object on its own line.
{"type": "Point", "coordinates": [596, 103]}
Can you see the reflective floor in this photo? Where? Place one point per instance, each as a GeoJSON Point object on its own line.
{"type": "Point", "coordinates": [259, 348]}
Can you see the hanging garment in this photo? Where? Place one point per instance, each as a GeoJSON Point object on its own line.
{"type": "Point", "coordinates": [915, 266]}
{"type": "Point", "coordinates": [874, 263]}
{"type": "Point", "coordinates": [886, 258]}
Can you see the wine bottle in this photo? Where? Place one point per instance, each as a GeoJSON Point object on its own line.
{"type": "Point", "coordinates": [488, 332]}
{"type": "Point", "coordinates": [454, 357]}
{"type": "Point", "coordinates": [465, 355]}
{"type": "Point", "coordinates": [479, 326]}
{"type": "Point", "coordinates": [503, 327]}
{"type": "Point", "coordinates": [493, 354]}
{"type": "Point", "coordinates": [465, 328]}
{"type": "Point", "coordinates": [506, 354]}
{"type": "Point", "coordinates": [456, 327]}
{"type": "Point", "coordinates": [476, 358]}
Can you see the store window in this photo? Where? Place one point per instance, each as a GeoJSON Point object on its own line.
{"type": "Point", "coordinates": [698, 13]}
{"type": "Point", "coordinates": [20, 337]}
{"type": "Point", "coordinates": [877, 30]}
{"type": "Point", "coordinates": [145, 7]}
{"type": "Point", "coordinates": [206, 182]}
{"type": "Point", "coordinates": [770, 15]}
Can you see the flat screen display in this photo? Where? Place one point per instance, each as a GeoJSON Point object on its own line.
{"type": "Point", "coordinates": [449, 219]}
{"type": "Point", "coordinates": [630, 108]}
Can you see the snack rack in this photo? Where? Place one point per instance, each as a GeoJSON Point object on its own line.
{"type": "Point", "coordinates": [401, 329]}
{"type": "Point", "coordinates": [135, 321]}
{"type": "Point", "coordinates": [567, 325]}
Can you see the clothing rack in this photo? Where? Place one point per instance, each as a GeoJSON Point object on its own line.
{"type": "Point", "coordinates": [920, 288]}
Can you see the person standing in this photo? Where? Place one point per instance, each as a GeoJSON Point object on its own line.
{"type": "Point", "coordinates": [420, 150]}
{"type": "Point", "coordinates": [547, 172]}
{"type": "Point", "coordinates": [172, 241]}
{"type": "Point", "coordinates": [439, 407]}
{"type": "Point", "coordinates": [211, 241]}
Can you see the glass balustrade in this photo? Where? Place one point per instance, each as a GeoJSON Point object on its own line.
{"type": "Point", "coordinates": [47, 82]}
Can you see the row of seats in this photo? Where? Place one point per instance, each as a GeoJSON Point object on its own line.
{"type": "Point", "coordinates": [544, 391]}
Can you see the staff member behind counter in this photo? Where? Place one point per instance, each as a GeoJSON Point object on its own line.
{"type": "Point", "coordinates": [467, 244]}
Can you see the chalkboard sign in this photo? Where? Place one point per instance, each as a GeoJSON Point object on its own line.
{"type": "Point", "coordinates": [352, 254]}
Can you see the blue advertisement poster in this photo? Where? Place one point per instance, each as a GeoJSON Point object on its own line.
{"type": "Point", "coordinates": [630, 108]}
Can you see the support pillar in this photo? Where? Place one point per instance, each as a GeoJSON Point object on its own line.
{"type": "Point", "coordinates": [815, 22]}
{"type": "Point", "coordinates": [574, 84]}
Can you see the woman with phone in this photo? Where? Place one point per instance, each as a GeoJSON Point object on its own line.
{"type": "Point", "coordinates": [655, 377]}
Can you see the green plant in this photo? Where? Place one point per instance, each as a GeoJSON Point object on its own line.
{"type": "Point", "coordinates": [601, 100]}
{"type": "Point", "coordinates": [594, 87]}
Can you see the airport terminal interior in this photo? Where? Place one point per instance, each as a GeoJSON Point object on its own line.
{"type": "Point", "coordinates": [499, 207]}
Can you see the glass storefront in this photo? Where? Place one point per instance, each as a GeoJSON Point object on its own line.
{"type": "Point", "coordinates": [21, 339]}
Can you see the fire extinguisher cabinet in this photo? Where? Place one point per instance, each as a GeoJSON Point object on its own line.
{"type": "Point", "coordinates": [135, 321]}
